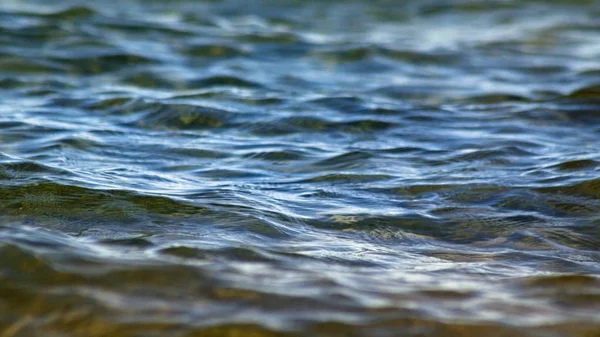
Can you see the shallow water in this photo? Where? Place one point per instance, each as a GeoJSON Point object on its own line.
{"type": "Point", "coordinates": [299, 168]}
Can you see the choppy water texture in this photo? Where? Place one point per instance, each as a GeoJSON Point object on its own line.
{"type": "Point", "coordinates": [299, 168]}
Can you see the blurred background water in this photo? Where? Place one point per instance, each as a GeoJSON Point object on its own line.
{"type": "Point", "coordinates": [299, 168]}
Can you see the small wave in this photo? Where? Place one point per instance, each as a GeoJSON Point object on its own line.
{"type": "Point", "coordinates": [159, 115]}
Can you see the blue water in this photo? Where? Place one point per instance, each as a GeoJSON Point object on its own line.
{"type": "Point", "coordinates": [299, 168]}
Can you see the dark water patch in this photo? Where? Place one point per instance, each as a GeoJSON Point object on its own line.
{"type": "Point", "coordinates": [11, 83]}
{"type": "Point", "coordinates": [200, 153]}
{"type": "Point", "coordinates": [19, 171]}
{"type": "Point", "coordinates": [577, 165]}
{"type": "Point", "coordinates": [308, 123]}
{"type": "Point", "coordinates": [591, 92]}
{"type": "Point", "coordinates": [40, 92]}
{"type": "Point", "coordinates": [212, 51]}
{"type": "Point", "coordinates": [82, 45]}
{"type": "Point", "coordinates": [316, 125]}
{"type": "Point", "coordinates": [26, 136]}
{"type": "Point", "coordinates": [22, 66]}
{"type": "Point", "coordinates": [348, 54]}
{"type": "Point", "coordinates": [184, 252]}
{"type": "Point", "coordinates": [493, 99]}
{"type": "Point", "coordinates": [24, 266]}
{"type": "Point", "coordinates": [266, 129]}
{"type": "Point", "coordinates": [129, 242]}
{"type": "Point", "coordinates": [550, 203]}
{"type": "Point", "coordinates": [44, 202]}
{"type": "Point", "coordinates": [270, 37]}
{"type": "Point", "coordinates": [565, 281]}
{"type": "Point", "coordinates": [223, 81]}
{"type": "Point", "coordinates": [493, 154]}
{"type": "Point", "coordinates": [439, 57]}
{"type": "Point", "coordinates": [143, 28]}
{"type": "Point", "coordinates": [228, 173]}
{"type": "Point", "coordinates": [104, 104]}
{"type": "Point", "coordinates": [246, 255]}
{"type": "Point", "coordinates": [40, 33]}
{"type": "Point", "coordinates": [588, 189]}
{"type": "Point", "coordinates": [572, 238]}
{"type": "Point", "coordinates": [181, 117]}
{"type": "Point", "coordinates": [344, 161]}
{"type": "Point", "coordinates": [426, 94]}
{"type": "Point", "coordinates": [263, 101]}
{"type": "Point", "coordinates": [151, 80]}
{"type": "Point", "coordinates": [70, 142]}
{"type": "Point", "coordinates": [65, 13]}
{"type": "Point", "coordinates": [97, 64]}
{"type": "Point", "coordinates": [421, 189]}
{"type": "Point", "coordinates": [348, 178]}
{"type": "Point", "coordinates": [342, 104]}
{"type": "Point", "coordinates": [568, 291]}
{"type": "Point", "coordinates": [7, 125]}
{"type": "Point", "coordinates": [579, 106]}
{"type": "Point", "coordinates": [402, 150]}
{"type": "Point", "coordinates": [590, 72]}
{"type": "Point", "coordinates": [573, 206]}
{"type": "Point", "coordinates": [276, 156]}
{"type": "Point", "coordinates": [65, 102]}
{"type": "Point", "coordinates": [361, 53]}
{"type": "Point", "coordinates": [360, 126]}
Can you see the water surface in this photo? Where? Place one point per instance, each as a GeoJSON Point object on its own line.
{"type": "Point", "coordinates": [299, 168]}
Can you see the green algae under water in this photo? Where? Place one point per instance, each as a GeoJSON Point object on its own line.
{"type": "Point", "coordinates": [299, 168]}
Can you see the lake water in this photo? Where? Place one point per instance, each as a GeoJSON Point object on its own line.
{"type": "Point", "coordinates": [299, 168]}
